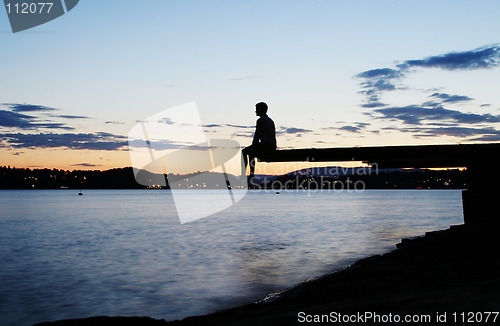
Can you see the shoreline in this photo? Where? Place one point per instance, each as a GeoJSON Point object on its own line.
{"type": "Point", "coordinates": [453, 270]}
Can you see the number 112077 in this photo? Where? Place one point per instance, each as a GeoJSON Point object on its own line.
{"type": "Point", "coordinates": [475, 317]}
{"type": "Point", "coordinates": [29, 8]}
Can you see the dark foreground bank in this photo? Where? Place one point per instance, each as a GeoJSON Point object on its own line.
{"type": "Point", "coordinates": [451, 275]}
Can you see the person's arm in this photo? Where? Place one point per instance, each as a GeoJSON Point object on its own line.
{"type": "Point", "coordinates": [258, 132]}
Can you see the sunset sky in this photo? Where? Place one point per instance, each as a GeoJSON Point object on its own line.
{"type": "Point", "coordinates": [334, 73]}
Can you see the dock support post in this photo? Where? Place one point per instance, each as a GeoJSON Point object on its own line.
{"type": "Point", "coordinates": [482, 198]}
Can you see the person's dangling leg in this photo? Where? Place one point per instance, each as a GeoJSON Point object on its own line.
{"type": "Point", "coordinates": [250, 155]}
{"type": "Point", "coordinates": [252, 166]}
{"type": "Point", "coordinates": [244, 152]}
{"type": "Point", "coordinates": [251, 177]}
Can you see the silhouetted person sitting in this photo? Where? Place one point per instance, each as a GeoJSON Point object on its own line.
{"type": "Point", "coordinates": [264, 139]}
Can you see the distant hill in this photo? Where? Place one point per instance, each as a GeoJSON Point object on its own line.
{"type": "Point", "coordinates": [340, 171]}
{"type": "Point", "coordinates": [324, 178]}
{"type": "Point", "coordinates": [336, 177]}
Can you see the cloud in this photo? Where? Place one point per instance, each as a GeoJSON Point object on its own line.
{"type": "Point", "coordinates": [243, 134]}
{"type": "Point", "coordinates": [159, 145]}
{"type": "Point", "coordinates": [447, 98]}
{"type": "Point", "coordinates": [86, 165]}
{"type": "Point", "coordinates": [442, 124]}
{"type": "Point", "coordinates": [167, 120]}
{"type": "Point", "coordinates": [355, 129]}
{"type": "Point", "coordinates": [16, 119]}
{"type": "Point", "coordinates": [52, 125]}
{"type": "Point", "coordinates": [231, 126]}
{"type": "Point", "coordinates": [375, 104]}
{"type": "Point", "coordinates": [16, 107]}
{"type": "Point", "coordinates": [114, 122]}
{"type": "Point", "coordinates": [462, 132]}
{"type": "Point", "coordinates": [482, 58]}
{"type": "Point", "coordinates": [65, 116]}
{"type": "Point", "coordinates": [350, 128]}
{"type": "Point", "coordinates": [11, 119]}
{"type": "Point", "coordinates": [386, 73]}
{"type": "Point", "coordinates": [376, 82]}
{"type": "Point", "coordinates": [380, 85]}
{"type": "Point", "coordinates": [292, 131]}
{"type": "Point", "coordinates": [238, 126]}
{"type": "Point", "coordinates": [495, 137]}
{"type": "Point", "coordinates": [80, 141]}
{"type": "Point", "coordinates": [415, 114]}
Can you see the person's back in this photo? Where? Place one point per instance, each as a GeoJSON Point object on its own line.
{"type": "Point", "coordinates": [265, 131]}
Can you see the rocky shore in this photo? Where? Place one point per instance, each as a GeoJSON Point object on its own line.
{"type": "Point", "coordinates": [445, 276]}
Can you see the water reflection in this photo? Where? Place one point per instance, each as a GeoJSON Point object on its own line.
{"type": "Point", "coordinates": [125, 253]}
{"type": "Point", "coordinates": [265, 264]}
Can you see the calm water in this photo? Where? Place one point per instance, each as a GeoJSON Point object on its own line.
{"type": "Point", "coordinates": [124, 252]}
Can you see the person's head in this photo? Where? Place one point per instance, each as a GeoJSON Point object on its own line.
{"type": "Point", "coordinates": [260, 108]}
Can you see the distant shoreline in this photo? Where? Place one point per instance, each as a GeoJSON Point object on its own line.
{"type": "Point", "coordinates": [325, 178]}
